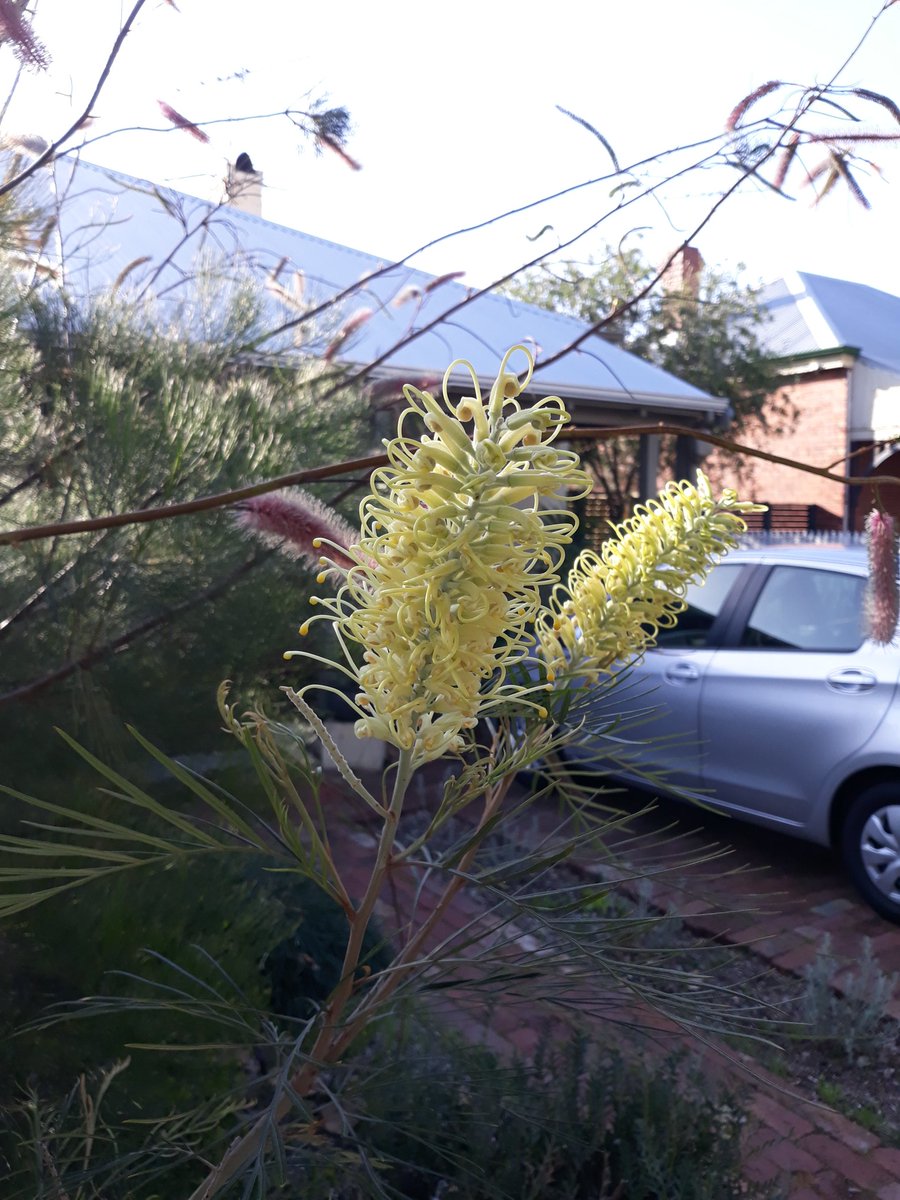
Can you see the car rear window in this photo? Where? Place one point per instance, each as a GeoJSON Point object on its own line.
{"type": "Point", "coordinates": [801, 608]}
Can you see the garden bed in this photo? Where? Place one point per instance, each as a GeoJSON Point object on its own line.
{"type": "Point", "coordinates": [828, 1047]}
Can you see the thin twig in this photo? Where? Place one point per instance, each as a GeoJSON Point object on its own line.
{"type": "Point", "coordinates": [405, 962]}
{"type": "Point", "coordinates": [14, 537]}
{"type": "Point", "coordinates": [38, 473]}
{"type": "Point", "coordinates": [87, 660]}
{"type": "Point", "coordinates": [50, 152]}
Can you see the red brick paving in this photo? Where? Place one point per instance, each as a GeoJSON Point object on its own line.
{"type": "Point", "coordinates": [792, 898]}
{"type": "Point", "coordinates": [862, 1171]}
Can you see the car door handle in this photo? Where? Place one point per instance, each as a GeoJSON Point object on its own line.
{"type": "Point", "coordinates": [852, 681]}
{"type": "Point", "coordinates": [682, 672]}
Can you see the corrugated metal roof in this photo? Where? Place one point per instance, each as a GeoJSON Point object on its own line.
{"type": "Point", "coordinates": [813, 313]}
{"type": "Point", "coordinates": [419, 325]}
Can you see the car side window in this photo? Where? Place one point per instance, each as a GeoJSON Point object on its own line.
{"type": "Point", "coordinates": [704, 603]}
{"type": "Point", "coordinates": [807, 609]}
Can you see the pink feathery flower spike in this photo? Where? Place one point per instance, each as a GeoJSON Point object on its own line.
{"type": "Point", "coordinates": [355, 321]}
{"type": "Point", "coordinates": [182, 122]}
{"type": "Point", "coordinates": [16, 29]}
{"type": "Point", "coordinates": [882, 597]}
{"type": "Point", "coordinates": [291, 520]}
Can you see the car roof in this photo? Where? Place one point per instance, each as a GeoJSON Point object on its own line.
{"type": "Point", "coordinates": [808, 554]}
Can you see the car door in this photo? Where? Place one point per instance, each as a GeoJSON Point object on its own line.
{"type": "Point", "coordinates": [658, 698]}
{"type": "Point", "coordinates": [800, 691]}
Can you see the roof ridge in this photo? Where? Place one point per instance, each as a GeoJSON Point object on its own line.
{"type": "Point", "coordinates": [811, 311]}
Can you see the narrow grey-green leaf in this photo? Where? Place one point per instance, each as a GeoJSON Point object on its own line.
{"type": "Point", "coordinates": [111, 828]}
{"type": "Point", "coordinates": [131, 793]}
{"type": "Point", "coordinates": [215, 802]}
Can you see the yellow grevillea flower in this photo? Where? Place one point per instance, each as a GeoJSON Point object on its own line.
{"type": "Point", "coordinates": [617, 600]}
{"type": "Point", "coordinates": [461, 529]}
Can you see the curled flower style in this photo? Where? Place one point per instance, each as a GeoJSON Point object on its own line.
{"type": "Point", "coordinates": [462, 529]}
{"type": "Point", "coordinates": [618, 599]}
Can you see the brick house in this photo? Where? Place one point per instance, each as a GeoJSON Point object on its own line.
{"type": "Point", "coordinates": [838, 346]}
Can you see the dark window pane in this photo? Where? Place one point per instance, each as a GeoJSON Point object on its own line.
{"type": "Point", "coordinates": [704, 603]}
{"type": "Point", "coordinates": [804, 609]}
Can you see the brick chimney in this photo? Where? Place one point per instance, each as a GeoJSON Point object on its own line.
{"type": "Point", "coordinates": [682, 276]}
{"type": "Point", "coordinates": [243, 186]}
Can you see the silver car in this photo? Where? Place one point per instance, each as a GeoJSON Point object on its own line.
{"type": "Point", "coordinates": [770, 704]}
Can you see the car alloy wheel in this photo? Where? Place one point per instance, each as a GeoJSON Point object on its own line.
{"type": "Point", "coordinates": [871, 847]}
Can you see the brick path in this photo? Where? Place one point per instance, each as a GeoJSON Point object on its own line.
{"type": "Point", "coordinates": [785, 898]}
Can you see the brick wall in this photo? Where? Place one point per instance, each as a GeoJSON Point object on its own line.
{"type": "Point", "coordinates": [817, 434]}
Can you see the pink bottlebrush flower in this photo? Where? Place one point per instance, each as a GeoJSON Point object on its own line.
{"type": "Point", "coordinates": [879, 98]}
{"type": "Point", "coordinates": [748, 101]}
{"type": "Point", "coordinates": [818, 170]}
{"type": "Point", "coordinates": [336, 148]}
{"type": "Point", "coordinates": [882, 596]}
{"type": "Point", "coordinates": [26, 47]}
{"type": "Point", "coordinates": [172, 114]}
{"type": "Point", "coordinates": [784, 161]}
{"type": "Point", "coordinates": [439, 280]}
{"type": "Point", "coordinates": [855, 190]}
{"type": "Point", "coordinates": [354, 321]}
{"type": "Point", "coordinates": [292, 521]}
{"type": "Point", "coordinates": [838, 137]}
{"type": "Point", "coordinates": [407, 294]}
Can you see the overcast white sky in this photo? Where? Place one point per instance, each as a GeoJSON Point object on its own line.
{"type": "Point", "coordinates": [455, 119]}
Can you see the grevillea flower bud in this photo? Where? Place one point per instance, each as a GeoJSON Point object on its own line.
{"type": "Point", "coordinates": [882, 605]}
{"type": "Point", "coordinates": [462, 529]}
{"type": "Point", "coordinates": [617, 600]}
{"type": "Point", "coordinates": [298, 524]}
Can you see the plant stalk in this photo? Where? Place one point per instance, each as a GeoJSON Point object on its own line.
{"type": "Point", "coordinates": [330, 1042]}
{"type": "Point", "coordinates": [406, 961]}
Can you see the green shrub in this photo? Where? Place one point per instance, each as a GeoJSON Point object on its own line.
{"type": "Point", "coordinates": [119, 410]}
{"type": "Point", "coordinates": [269, 944]}
{"type": "Point", "coordinates": [848, 1020]}
{"type": "Point", "coordinates": [437, 1116]}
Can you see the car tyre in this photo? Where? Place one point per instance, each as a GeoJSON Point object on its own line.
{"type": "Point", "coordinates": [870, 845]}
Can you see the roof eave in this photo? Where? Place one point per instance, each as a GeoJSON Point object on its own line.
{"type": "Point", "coordinates": [808, 361]}
{"type": "Point", "coordinates": [711, 406]}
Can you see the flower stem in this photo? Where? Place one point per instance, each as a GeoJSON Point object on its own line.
{"type": "Point", "coordinates": [330, 1041]}
{"type": "Point", "coordinates": [408, 960]}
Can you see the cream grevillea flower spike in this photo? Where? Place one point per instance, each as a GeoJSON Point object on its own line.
{"type": "Point", "coordinates": [617, 600]}
{"type": "Point", "coordinates": [461, 530]}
